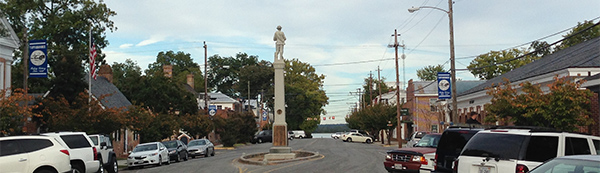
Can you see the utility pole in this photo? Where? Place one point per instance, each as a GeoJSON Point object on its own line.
{"type": "Point", "coordinates": [370, 87]}
{"type": "Point", "coordinates": [452, 65]}
{"type": "Point", "coordinates": [398, 127]}
{"type": "Point", "coordinates": [379, 84]}
{"type": "Point", "coordinates": [25, 60]}
{"type": "Point", "coordinates": [205, 79]}
{"type": "Point", "coordinates": [249, 110]}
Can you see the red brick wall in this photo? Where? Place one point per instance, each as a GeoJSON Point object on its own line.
{"type": "Point", "coordinates": [118, 145]}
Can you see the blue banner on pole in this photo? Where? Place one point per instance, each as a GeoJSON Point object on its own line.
{"type": "Point", "coordinates": [38, 59]}
{"type": "Point", "coordinates": [444, 85]}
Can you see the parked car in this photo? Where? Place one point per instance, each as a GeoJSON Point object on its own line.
{"type": "Point", "coordinates": [152, 153]}
{"type": "Point", "coordinates": [415, 159]}
{"type": "Point", "coordinates": [177, 150]}
{"type": "Point", "coordinates": [33, 154]}
{"type": "Point", "coordinates": [414, 138]}
{"type": "Point", "coordinates": [356, 137]}
{"type": "Point", "coordinates": [106, 155]}
{"type": "Point", "coordinates": [84, 156]}
{"type": "Point", "coordinates": [336, 135]}
{"type": "Point", "coordinates": [262, 136]}
{"type": "Point", "coordinates": [297, 134]}
{"type": "Point", "coordinates": [453, 140]}
{"type": "Point", "coordinates": [575, 164]}
{"type": "Point", "coordinates": [201, 147]}
{"type": "Point", "coordinates": [518, 149]}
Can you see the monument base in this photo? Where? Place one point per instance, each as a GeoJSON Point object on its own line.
{"type": "Point", "coordinates": [280, 150]}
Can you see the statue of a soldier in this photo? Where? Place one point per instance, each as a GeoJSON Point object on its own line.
{"type": "Point", "coordinates": [279, 39]}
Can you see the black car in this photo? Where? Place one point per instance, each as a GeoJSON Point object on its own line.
{"type": "Point", "coordinates": [177, 150]}
{"type": "Point", "coordinates": [451, 143]}
{"type": "Point", "coordinates": [263, 136]}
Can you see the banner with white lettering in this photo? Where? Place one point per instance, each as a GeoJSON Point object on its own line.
{"type": "Point", "coordinates": [38, 59]}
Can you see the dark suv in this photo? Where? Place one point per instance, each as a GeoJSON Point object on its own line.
{"type": "Point", "coordinates": [263, 136]}
{"type": "Point", "coordinates": [177, 150]}
{"type": "Point", "coordinates": [451, 143]}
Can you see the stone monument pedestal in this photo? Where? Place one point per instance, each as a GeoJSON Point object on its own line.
{"type": "Point", "coordinates": [280, 153]}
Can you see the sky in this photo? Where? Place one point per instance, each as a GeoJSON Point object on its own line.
{"type": "Point", "coordinates": [345, 40]}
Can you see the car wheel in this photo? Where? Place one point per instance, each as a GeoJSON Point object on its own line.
{"type": "Point", "coordinates": [349, 139]}
{"type": "Point", "coordinates": [159, 161]}
{"type": "Point", "coordinates": [77, 168]}
{"type": "Point", "coordinates": [368, 141]}
{"type": "Point", "coordinates": [178, 157]}
{"type": "Point", "coordinates": [206, 153]}
{"type": "Point", "coordinates": [44, 171]}
{"type": "Point", "coordinates": [114, 166]}
{"type": "Point", "coordinates": [100, 168]}
{"type": "Point", "coordinates": [213, 153]}
{"type": "Point", "coordinates": [185, 156]}
{"type": "Point", "coordinates": [169, 161]}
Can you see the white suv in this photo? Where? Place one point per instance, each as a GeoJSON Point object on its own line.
{"type": "Point", "coordinates": [37, 154]}
{"type": "Point", "coordinates": [106, 154]}
{"type": "Point", "coordinates": [84, 156]}
{"type": "Point", "coordinates": [519, 149]}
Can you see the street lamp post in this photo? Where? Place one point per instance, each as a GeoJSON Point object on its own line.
{"type": "Point", "coordinates": [452, 63]}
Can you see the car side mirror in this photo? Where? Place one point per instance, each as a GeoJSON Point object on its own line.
{"type": "Point", "coordinates": [129, 152]}
{"type": "Point", "coordinates": [162, 148]}
{"type": "Point", "coordinates": [103, 144]}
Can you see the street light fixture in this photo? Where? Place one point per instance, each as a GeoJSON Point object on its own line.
{"type": "Point", "coordinates": [452, 63]}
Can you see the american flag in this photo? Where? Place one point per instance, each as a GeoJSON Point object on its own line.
{"type": "Point", "coordinates": [93, 60]}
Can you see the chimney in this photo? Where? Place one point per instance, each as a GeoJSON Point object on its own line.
{"type": "Point", "coordinates": [106, 71]}
{"type": "Point", "coordinates": [190, 80]}
{"type": "Point", "coordinates": [168, 70]}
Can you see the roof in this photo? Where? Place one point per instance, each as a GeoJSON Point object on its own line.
{"type": "Point", "coordinates": [113, 98]}
{"type": "Point", "coordinates": [582, 55]}
{"type": "Point", "coordinates": [219, 98]}
{"type": "Point", "coordinates": [430, 87]}
{"type": "Point", "coordinates": [8, 42]}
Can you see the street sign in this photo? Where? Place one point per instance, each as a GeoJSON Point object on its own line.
{"type": "Point", "coordinates": [212, 110]}
{"type": "Point", "coordinates": [38, 61]}
{"type": "Point", "coordinates": [404, 112]}
{"type": "Point", "coordinates": [444, 85]}
{"type": "Point", "coordinates": [264, 115]}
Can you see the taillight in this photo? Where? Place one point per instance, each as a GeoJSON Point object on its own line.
{"type": "Point", "coordinates": [521, 169]}
{"type": "Point", "coordinates": [455, 166]}
{"type": "Point", "coordinates": [65, 151]}
{"type": "Point", "coordinates": [435, 163]}
{"type": "Point", "coordinates": [423, 161]}
{"type": "Point", "coordinates": [95, 153]}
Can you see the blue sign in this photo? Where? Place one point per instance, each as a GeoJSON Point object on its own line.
{"type": "Point", "coordinates": [212, 110]}
{"type": "Point", "coordinates": [444, 85]}
{"type": "Point", "coordinates": [38, 59]}
{"type": "Point", "coordinates": [264, 115]}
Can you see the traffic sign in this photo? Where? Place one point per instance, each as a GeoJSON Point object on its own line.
{"type": "Point", "coordinates": [212, 110]}
{"type": "Point", "coordinates": [444, 85]}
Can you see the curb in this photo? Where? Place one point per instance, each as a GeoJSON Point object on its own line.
{"type": "Point", "coordinates": [224, 148]}
{"type": "Point", "coordinates": [247, 161]}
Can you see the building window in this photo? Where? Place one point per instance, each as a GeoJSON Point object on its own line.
{"type": "Point", "coordinates": [219, 107]}
{"type": "Point", "coordinates": [402, 100]}
{"type": "Point", "coordinates": [135, 136]}
{"type": "Point", "coordinates": [432, 105]}
{"type": "Point", "coordinates": [117, 135]}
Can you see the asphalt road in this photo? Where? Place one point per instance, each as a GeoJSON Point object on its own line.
{"type": "Point", "coordinates": [337, 156]}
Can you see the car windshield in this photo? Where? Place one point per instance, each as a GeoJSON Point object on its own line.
{"type": "Point", "coordinates": [146, 147]}
{"type": "Point", "coordinates": [94, 139]}
{"type": "Point", "coordinates": [568, 165]}
{"type": "Point", "coordinates": [194, 143]}
{"type": "Point", "coordinates": [170, 144]}
{"type": "Point", "coordinates": [429, 140]}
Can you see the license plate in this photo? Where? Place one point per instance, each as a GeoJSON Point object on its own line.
{"type": "Point", "coordinates": [398, 166]}
{"type": "Point", "coordinates": [484, 169]}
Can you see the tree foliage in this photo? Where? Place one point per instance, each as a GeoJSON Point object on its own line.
{"type": "Point", "coordinates": [197, 125]}
{"type": "Point", "coordinates": [224, 73]}
{"type": "Point", "coordinates": [183, 65]}
{"type": "Point", "coordinates": [238, 127]}
{"type": "Point", "coordinates": [374, 118]}
{"type": "Point", "coordinates": [304, 95]}
{"type": "Point", "coordinates": [66, 26]}
{"type": "Point", "coordinates": [372, 88]}
{"type": "Point", "coordinates": [80, 115]}
{"type": "Point", "coordinates": [564, 107]}
{"type": "Point", "coordinates": [488, 66]}
{"type": "Point", "coordinates": [429, 73]}
{"type": "Point", "coordinates": [582, 32]}
{"type": "Point", "coordinates": [14, 111]}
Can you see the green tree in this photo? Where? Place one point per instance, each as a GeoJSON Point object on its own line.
{"type": "Point", "coordinates": [260, 77]}
{"type": "Point", "coordinates": [182, 63]}
{"type": "Point", "coordinates": [66, 26]}
{"type": "Point", "coordinates": [128, 77]}
{"type": "Point", "coordinates": [429, 73]}
{"type": "Point", "coordinates": [496, 63]}
{"type": "Point", "coordinates": [198, 125]}
{"type": "Point", "coordinates": [238, 127]}
{"type": "Point", "coordinates": [303, 88]}
{"type": "Point", "coordinates": [372, 88]}
{"type": "Point", "coordinates": [582, 32]}
{"type": "Point", "coordinates": [564, 107]}
{"type": "Point", "coordinates": [162, 95]}
{"type": "Point", "coordinates": [374, 119]}
{"type": "Point", "coordinates": [224, 72]}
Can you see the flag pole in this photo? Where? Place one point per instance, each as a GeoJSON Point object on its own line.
{"type": "Point", "coordinates": [90, 75]}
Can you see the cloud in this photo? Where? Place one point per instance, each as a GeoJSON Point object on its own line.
{"type": "Point", "coordinates": [151, 40]}
{"type": "Point", "coordinates": [124, 46]}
